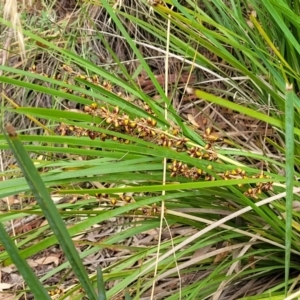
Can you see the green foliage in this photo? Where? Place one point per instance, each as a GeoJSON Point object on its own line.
{"type": "Point", "coordinates": [51, 213]}
{"type": "Point", "coordinates": [149, 168]}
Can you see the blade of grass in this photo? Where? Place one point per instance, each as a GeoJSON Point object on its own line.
{"type": "Point", "coordinates": [50, 211]}
{"type": "Point", "coordinates": [100, 285]}
{"type": "Point", "coordinates": [289, 142]}
{"type": "Point", "coordinates": [33, 282]}
{"type": "Point", "coordinates": [242, 109]}
{"type": "Point", "coordinates": [281, 24]}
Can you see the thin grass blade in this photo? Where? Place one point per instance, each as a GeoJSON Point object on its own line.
{"type": "Point", "coordinates": [33, 282]}
{"type": "Point", "coordinates": [100, 285]}
{"type": "Point", "coordinates": [289, 142]}
{"type": "Point", "coordinates": [49, 209]}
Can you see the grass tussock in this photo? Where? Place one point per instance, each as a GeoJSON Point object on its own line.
{"type": "Point", "coordinates": [154, 150]}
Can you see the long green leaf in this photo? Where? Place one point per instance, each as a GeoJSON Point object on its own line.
{"type": "Point", "coordinates": [49, 209]}
{"type": "Point", "coordinates": [100, 285]}
{"type": "Point", "coordinates": [289, 142]}
{"type": "Point", "coordinates": [33, 282]}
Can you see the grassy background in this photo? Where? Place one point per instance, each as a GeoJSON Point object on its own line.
{"type": "Point", "coordinates": [157, 141]}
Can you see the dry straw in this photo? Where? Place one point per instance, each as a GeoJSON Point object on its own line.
{"type": "Point", "coordinates": [11, 14]}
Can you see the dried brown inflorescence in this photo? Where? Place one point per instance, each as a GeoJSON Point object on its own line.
{"type": "Point", "coordinates": [117, 121]}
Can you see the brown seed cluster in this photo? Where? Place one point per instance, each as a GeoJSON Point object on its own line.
{"type": "Point", "coordinates": [114, 200]}
{"type": "Point", "coordinates": [143, 128]}
{"type": "Point", "coordinates": [67, 75]}
{"type": "Point", "coordinates": [119, 122]}
{"type": "Point", "coordinates": [124, 199]}
{"type": "Point", "coordinates": [203, 154]}
{"type": "Point", "coordinates": [260, 186]}
{"type": "Point", "coordinates": [177, 168]}
{"type": "Point", "coordinates": [55, 293]}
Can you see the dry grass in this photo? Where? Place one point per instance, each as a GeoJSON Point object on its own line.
{"type": "Point", "coordinates": [12, 14]}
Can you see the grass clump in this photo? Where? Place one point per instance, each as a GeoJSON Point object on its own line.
{"type": "Point", "coordinates": [173, 162]}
